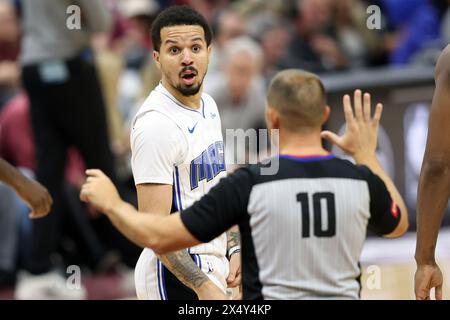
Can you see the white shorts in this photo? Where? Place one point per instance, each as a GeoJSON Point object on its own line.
{"type": "Point", "coordinates": [154, 282]}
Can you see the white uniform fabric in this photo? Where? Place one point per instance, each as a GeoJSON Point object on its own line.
{"type": "Point", "coordinates": [173, 144]}
{"type": "Point", "coordinates": [149, 274]}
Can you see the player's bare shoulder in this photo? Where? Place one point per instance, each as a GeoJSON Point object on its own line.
{"type": "Point", "coordinates": [443, 66]}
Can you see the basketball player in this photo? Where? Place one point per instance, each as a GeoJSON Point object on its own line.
{"type": "Point", "coordinates": [31, 192]}
{"type": "Point", "coordinates": [303, 228]}
{"type": "Point", "coordinates": [177, 156]}
{"type": "Point", "coordinates": [434, 184]}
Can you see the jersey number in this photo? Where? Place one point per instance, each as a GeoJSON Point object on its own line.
{"type": "Point", "coordinates": [319, 230]}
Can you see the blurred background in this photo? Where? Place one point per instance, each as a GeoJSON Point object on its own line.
{"type": "Point", "coordinates": [391, 55]}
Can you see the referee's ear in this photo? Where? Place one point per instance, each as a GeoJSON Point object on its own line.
{"type": "Point", "coordinates": [272, 118]}
{"type": "Point", "coordinates": [326, 114]}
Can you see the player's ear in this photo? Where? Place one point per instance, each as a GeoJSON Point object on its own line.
{"type": "Point", "coordinates": [326, 114]}
{"type": "Point", "coordinates": [156, 58]}
{"type": "Point", "coordinates": [209, 52]}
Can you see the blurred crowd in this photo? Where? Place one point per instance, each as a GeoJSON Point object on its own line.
{"type": "Point", "coordinates": [253, 39]}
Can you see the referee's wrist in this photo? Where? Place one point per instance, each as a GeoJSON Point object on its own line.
{"type": "Point", "coordinates": [233, 250]}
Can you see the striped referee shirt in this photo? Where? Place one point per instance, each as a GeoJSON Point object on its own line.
{"type": "Point", "coordinates": [302, 229]}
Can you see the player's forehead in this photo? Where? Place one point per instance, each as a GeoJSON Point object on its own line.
{"type": "Point", "coordinates": [182, 34]}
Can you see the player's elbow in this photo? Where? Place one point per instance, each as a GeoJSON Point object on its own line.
{"type": "Point", "coordinates": [157, 244]}
{"type": "Point", "coordinates": [402, 226]}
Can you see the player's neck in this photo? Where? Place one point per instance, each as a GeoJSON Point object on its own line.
{"type": "Point", "coordinates": [192, 102]}
{"type": "Point", "coordinates": [301, 144]}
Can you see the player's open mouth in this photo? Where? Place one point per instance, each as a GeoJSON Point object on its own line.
{"type": "Point", "coordinates": [189, 77]}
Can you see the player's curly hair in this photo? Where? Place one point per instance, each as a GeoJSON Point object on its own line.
{"type": "Point", "coordinates": [178, 16]}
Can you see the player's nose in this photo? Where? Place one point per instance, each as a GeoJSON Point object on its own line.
{"type": "Point", "coordinates": [186, 57]}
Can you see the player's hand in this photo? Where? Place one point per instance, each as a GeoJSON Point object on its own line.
{"type": "Point", "coordinates": [36, 197]}
{"type": "Point", "coordinates": [361, 132]}
{"type": "Point", "coordinates": [427, 277]}
{"type": "Point", "coordinates": [234, 276]}
{"type": "Point", "coordinates": [209, 291]}
{"type": "Point", "coordinates": [99, 191]}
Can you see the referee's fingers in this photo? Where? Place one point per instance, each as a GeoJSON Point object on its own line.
{"type": "Point", "coordinates": [94, 172]}
{"type": "Point", "coordinates": [348, 112]}
{"type": "Point", "coordinates": [358, 105]}
{"type": "Point", "coordinates": [377, 115]}
{"type": "Point", "coordinates": [331, 136]}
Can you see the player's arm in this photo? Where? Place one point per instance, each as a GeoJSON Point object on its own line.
{"type": "Point", "coordinates": [360, 142]}
{"type": "Point", "coordinates": [35, 195]}
{"type": "Point", "coordinates": [157, 199]}
{"type": "Point", "coordinates": [221, 208]}
{"type": "Point", "coordinates": [434, 183]}
{"type": "Point", "coordinates": [161, 233]}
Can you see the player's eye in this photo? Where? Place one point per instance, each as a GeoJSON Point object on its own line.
{"type": "Point", "coordinates": [196, 48]}
{"type": "Point", "coordinates": [174, 50]}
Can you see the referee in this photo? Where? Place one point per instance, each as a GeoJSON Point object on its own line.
{"type": "Point", "coordinates": [302, 229]}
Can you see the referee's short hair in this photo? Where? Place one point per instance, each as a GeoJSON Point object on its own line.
{"type": "Point", "coordinates": [178, 16]}
{"type": "Point", "coordinates": [299, 97]}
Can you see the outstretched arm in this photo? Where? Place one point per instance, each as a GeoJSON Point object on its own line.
{"type": "Point", "coordinates": [163, 233]}
{"type": "Point", "coordinates": [434, 184]}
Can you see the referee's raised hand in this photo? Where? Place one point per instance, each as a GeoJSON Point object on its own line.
{"type": "Point", "coordinates": [360, 137]}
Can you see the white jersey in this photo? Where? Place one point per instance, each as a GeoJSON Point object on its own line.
{"type": "Point", "coordinates": [173, 144]}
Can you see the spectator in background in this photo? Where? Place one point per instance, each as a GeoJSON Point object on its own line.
{"type": "Point", "coordinates": [127, 72]}
{"type": "Point", "coordinates": [311, 48]}
{"type": "Point", "coordinates": [274, 38]}
{"type": "Point", "coordinates": [19, 151]}
{"type": "Point", "coordinates": [445, 27]}
{"type": "Point", "coordinates": [207, 8]}
{"type": "Point", "coordinates": [9, 52]}
{"type": "Point", "coordinates": [414, 26]}
{"type": "Point", "coordinates": [238, 88]}
{"type": "Point", "coordinates": [67, 109]}
{"type": "Point", "coordinates": [357, 42]}
{"type": "Point", "coordinates": [227, 25]}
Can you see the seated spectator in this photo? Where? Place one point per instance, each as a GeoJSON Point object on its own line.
{"type": "Point", "coordinates": [311, 47]}
{"type": "Point", "coordinates": [414, 27]}
{"type": "Point", "coordinates": [227, 25]}
{"type": "Point", "coordinates": [238, 88]}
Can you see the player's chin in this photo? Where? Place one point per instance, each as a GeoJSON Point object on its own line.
{"type": "Point", "coordinates": [189, 90]}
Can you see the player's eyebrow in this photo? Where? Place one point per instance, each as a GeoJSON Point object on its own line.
{"type": "Point", "coordinates": [170, 41]}
{"type": "Point", "coordinates": [197, 39]}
